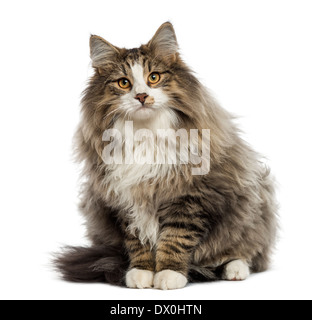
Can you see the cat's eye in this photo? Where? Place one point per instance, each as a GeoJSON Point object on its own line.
{"type": "Point", "coordinates": [154, 78]}
{"type": "Point", "coordinates": [124, 83]}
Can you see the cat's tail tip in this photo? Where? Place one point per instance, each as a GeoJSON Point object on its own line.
{"type": "Point", "coordinates": [204, 274]}
{"type": "Point", "coordinates": [91, 264]}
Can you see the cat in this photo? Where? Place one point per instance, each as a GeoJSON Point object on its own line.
{"type": "Point", "coordinates": [160, 225]}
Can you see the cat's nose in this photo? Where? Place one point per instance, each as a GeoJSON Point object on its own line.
{"type": "Point", "coordinates": [141, 97]}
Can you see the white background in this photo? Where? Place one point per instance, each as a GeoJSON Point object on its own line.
{"type": "Point", "coordinates": [255, 56]}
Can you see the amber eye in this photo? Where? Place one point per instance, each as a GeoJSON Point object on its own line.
{"type": "Point", "coordinates": [154, 78]}
{"type": "Point", "coordinates": [124, 83]}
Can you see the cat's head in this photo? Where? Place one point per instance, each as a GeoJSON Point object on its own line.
{"type": "Point", "coordinates": [139, 84]}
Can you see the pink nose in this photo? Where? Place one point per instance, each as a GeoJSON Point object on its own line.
{"type": "Point", "coordinates": [141, 97]}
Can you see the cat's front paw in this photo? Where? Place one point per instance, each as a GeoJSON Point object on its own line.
{"type": "Point", "coordinates": [139, 279]}
{"type": "Point", "coordinates": [169, 280]}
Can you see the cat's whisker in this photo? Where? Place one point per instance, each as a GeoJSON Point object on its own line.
{"type": "Point", "coordinates": [112, 112]}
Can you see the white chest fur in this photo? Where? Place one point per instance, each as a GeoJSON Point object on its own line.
{"type": "Point", "coordinates": [128, 182]}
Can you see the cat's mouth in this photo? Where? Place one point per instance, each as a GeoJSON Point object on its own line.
{"type": "Point", "coordinates": [145, 106]}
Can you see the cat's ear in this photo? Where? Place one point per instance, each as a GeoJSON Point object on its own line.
{"type": "Point", "coordinates": [164, 43]}
{"type": "Point", "coordinates": [101, 51]}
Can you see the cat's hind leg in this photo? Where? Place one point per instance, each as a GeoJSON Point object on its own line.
{"type": "Point", "coordinates": [236, 270]}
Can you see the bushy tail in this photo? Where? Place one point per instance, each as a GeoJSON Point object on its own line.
{"type": "Point", "coordinates": [109, 265]}
{"type": "Point", "coordinates": [93, 264]}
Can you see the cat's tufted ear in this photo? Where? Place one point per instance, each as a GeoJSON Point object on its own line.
{"type": "Point", "coordinates": [164, 43]}
{"type": "Point", "coordinates": [101, 51]}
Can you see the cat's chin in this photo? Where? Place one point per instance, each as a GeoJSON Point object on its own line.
{"type": "Point", "coordinates": [143, 113]}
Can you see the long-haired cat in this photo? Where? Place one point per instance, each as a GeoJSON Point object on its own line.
{"type": "Point", "coordinates": [161, 225]}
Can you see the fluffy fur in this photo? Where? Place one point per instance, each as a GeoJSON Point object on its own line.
{"type": "Point", "coordinates": [159, 224]}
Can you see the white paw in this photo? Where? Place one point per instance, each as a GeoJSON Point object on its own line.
{"type": "Point", "coordinates": [169, 280]}
{"type": "Point", "coordinates": [236, 270]}
{"type": "Point", "coordinates": [139, 279]}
